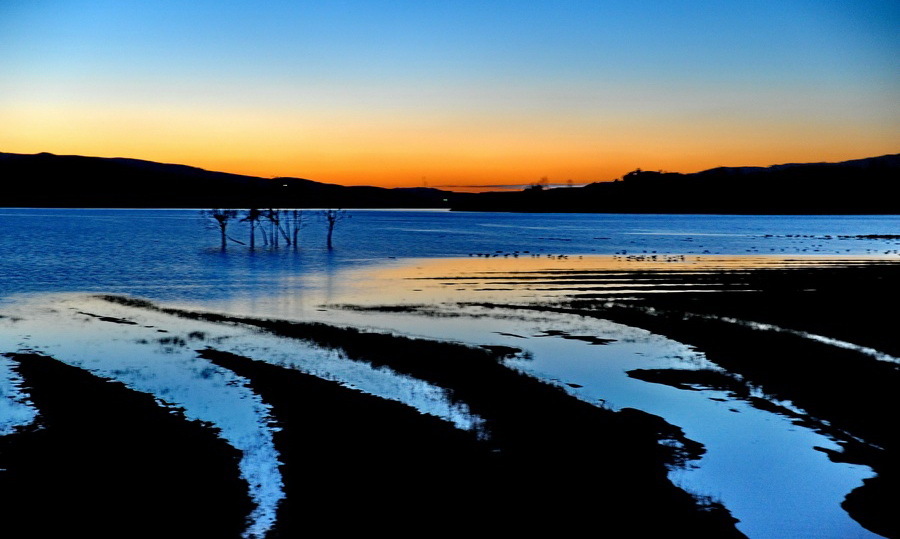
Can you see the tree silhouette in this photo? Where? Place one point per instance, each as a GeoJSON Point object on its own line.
{"type": "Point", "coordinates": [221, 217]}
{"type": "Point", "coordinates": [276, 218]}
{"type": "Point", "coordinates": [331, 218]}
{"type": "Point", "coordinates": [295, 221]}
{"type": "Point", "coordinates": [253, 216]}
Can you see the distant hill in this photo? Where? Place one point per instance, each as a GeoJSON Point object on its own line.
{"type": "Point", "coordinates": [861, 186]}
{"type": "Point", "coordinates": [47, 180]}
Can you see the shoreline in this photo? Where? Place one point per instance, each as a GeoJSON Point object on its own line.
{"type": "Point", "coordinates": [829, 349]}
{"type": "Point", "coordinates": [404, 469]}
{"type": "Point", "coordinates": [848, 389]}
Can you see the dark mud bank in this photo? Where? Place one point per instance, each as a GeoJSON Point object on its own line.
{"type": "Point", "coordinates": [548, 462]}
{"type": "Point", "coordinates": [849, 390]}
{"type": "Point", "coordinates": [105, 461]}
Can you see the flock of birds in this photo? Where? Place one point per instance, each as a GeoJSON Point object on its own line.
{"type": "Point", "coordinates": [618, 255]}
{"type": "Point", "coordinates": [517, 254]}
{"type": "Point", "coordinates": [653, 256]}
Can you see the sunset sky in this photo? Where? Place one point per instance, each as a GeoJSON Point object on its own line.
{"type": "Point", "coordinates": [451, 93]}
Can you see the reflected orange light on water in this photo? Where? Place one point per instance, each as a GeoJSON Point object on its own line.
{"type": "Point", "coordinates": [498, 265]}
{"type": "Point", "coordinates": [428, 282]}
{"type": "Point", "coordinates": [527, 278]}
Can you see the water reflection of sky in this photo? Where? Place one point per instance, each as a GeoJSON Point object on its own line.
{"type": "Point", "coordinates": [438, 280]}
{"type": "Point", "coordinates": [15, 409]}
{"type": "Point", "coordinates": [157, 354]}
{"type": "Point", "coordinates": [763, 467]}
{"type": "Point", "coordinates": [147, 360]}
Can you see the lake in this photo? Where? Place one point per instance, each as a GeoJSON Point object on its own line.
{"type": "Point", "coordinates": [53, 257]}
{"type": "Point", "coordinates": [174, 255]}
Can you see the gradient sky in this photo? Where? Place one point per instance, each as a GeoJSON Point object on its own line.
{"type": "Point", "coordinates": [443, 93]}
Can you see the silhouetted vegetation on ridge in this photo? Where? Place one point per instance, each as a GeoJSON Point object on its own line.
{"type": "Point", "coordinates": [861, 186]}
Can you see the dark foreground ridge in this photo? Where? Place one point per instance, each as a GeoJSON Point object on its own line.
{"type": "Point", "coordinates": [104, 461]}
{"type": "Point", "coordinates": [549, 463]}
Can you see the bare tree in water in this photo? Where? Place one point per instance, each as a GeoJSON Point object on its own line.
{"type": "Point", "coordinates": [286, 224]}
{"type": "Point", "coordinates": [294, 222]}
{"type": "Point", "coordinates": [272, 224]}
{"type": "Point", "coordinates": [221, 217]}
{"type": "Point", "coordinates": [273, 218]}
{"type": "Point", "coordinates": [331, 218]}
{"type": "Point", "coordinates": [253, 217]}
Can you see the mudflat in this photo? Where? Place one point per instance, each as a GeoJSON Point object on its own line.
{"type": "Point", "coordinates": [111, 461]}
{"type": "Point", "coordinates": [818, 333]}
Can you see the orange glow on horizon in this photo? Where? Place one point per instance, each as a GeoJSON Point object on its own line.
{"type": "Point", "coordinates": [439, 152]}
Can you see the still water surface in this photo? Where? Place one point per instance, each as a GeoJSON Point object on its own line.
{"type": "Point", "coordinates": [172, 255]}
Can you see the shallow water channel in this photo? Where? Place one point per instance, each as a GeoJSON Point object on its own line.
{"type": "Point", "coordinates": [155, 353]}
{"type": "Point", "coordinates": [767, 469]}
{"type": "Point", "coordinates": [761, 465]}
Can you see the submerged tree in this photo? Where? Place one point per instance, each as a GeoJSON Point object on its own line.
{"type": "Point", "coordinates": [284, 224]}
{"type": "Point", "coordinates": [331, 219]}
{"type": "Point", "coordinates": [295, 221]}
{"type": "Point", "coordinates": [271, 224]}
{"type": "Point", "coordinates": [253, 216]}
{"type": "Point", "coordinates": [273, 216]}
{"type": "Point", "coordinates": [221, 217]}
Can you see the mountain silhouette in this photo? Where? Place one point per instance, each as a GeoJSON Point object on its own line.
{"type": "Point", "coordinates": [48, 180]}
{"type": "Point", "coordinates": [861, 186]}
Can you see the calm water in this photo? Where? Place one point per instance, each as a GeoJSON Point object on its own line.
{"type": "Point", "coordinates": [171, 255]}
{"type": "Point", "coordinates": [50, 257]}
